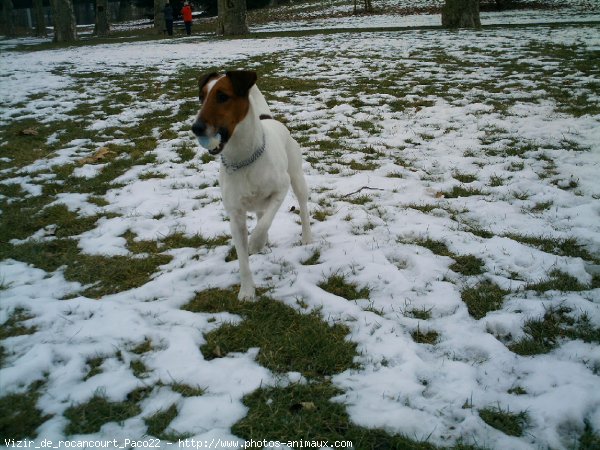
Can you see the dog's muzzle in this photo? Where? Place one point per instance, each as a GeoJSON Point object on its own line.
{"type": "Point", "coordinates": [211, 143]}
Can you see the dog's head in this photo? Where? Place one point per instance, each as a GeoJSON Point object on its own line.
{"type": "Point", "coordinates": [223, 104]}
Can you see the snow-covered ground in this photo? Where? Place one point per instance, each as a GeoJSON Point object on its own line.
{"type": "Point", "coordinates": [402, 386]}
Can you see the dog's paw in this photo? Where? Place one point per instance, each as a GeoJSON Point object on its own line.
{"type": "Point", "coordinates": [256, 244]}
{"type": "Point", "coordinates": [247, 294]}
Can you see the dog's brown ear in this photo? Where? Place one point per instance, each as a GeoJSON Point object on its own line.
{"type": "Point", "coordinates": [242, 81]}
{"type": "Point", "coordinates": [203, 80]}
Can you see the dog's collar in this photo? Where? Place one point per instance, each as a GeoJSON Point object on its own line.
{"type": "Point", "coordinates": [233, 167]}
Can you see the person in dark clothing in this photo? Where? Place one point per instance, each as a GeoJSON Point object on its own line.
{"type": "Point", "coordinates": [186, 12]}
{"type": "Point", "coordinates": [169, 18]}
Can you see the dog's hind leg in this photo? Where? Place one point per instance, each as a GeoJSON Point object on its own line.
{"type": "Point", "coordinates": [301, 192]}
{"type": "Point", "coordinates": [239, 233]}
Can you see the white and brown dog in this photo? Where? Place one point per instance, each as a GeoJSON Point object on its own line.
{"type": "Point", "coordinates": [259, 160]}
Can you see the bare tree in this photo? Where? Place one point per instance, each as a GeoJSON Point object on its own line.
{"type": "Point", "coordinates": [63, 15]}
{"type": "Point", "coordinates": [159, 16]}
{"type": "Point", "coordinates": [8, 19]}
{"type": "Point", "coordinates": [102, 26]}
{"type": "Point", "coordinates": [125, 10]}
{"type": "Point", "coordinates": [40, 19]}
{"type": "Point", "coordinates": [368, 4]}
{"type": "Point", "coordinates": [232, 17]}
{"type": "Point", "coordinates": [461, 14]}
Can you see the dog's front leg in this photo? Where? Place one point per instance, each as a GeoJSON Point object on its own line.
{"type": "Point", "coordinates": [265, 218]}
{"type": "Point", "coordinates": [239, 233]}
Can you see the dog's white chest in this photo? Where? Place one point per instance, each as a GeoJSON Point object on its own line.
{"type": "Point", "coordinates": [252, 194]}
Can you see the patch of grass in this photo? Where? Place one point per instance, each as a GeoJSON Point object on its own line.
{"type": "Point", "coordinates": [306, 412]}
{"type": "Point", "coordinates": [496, 181]}
{"type": "Point", "coordinates": [437, 247]}
{"type": "Point", "coordinates": [13, 325]}
{"type": "Point", "coordinates": [321, 214]}
{"type": "Point", "coordinates": [143, 347]}
{"type": "Point", "coordinates": [541, 206]}
{"type": "Point", "coordinates": [138, 368]}
{"type": "Point", "coordinates": [90, 416]}
{"type": "Point", "coordinates": [465, 177]}
{"type": "Point", "coordinates": [423, 208]}
{"type": "Point", "coordinates": [460, 191]}
{"type": "Point", "coordinates": [555, 246]}
{"type": "Point", "coordinates": [589, 439]}
{"type": "Point", "coordinates": [545, 333]}
{"type": "Point", "coordinates": [518, 390]}
{"type": "Point", "coordinates": [158, 422]}
{"type": "Point", "coordinates": [425, 337]}
{"type": "Point", "coordinates": [464, 264]}
{"type": "Point", "coordinates": [359, 199]}
{"type": "Point", "coordinates": [102, 275]}
{"type": "Point", "coordinates": [288, 340]}
{"type": "Point", "coordinates": [508, 422]}
{"type": "Point", "coordinates": [337, 284]}
{"type": "Point", "coordinates": [21, 146]}
{"type": "Point", "coordinates": [19, 415]}
{"type": "Point", "coordinates": [94, 367]}
{"type": "Point", "coordinates": [186, 152]}
{"type": "Point", "coordinates": [483, 298]}
{"type": "Point", "coordinates": [420, 313]}
{"type": "Point", "coordinates": [312, 259]}
{"type": "Point", "coordinates": [21, 219]}
{"type": "Point", "coordinates": [358, 165]}
{"type": "Point", "coordinates": [187, 390]}
{"type": "Point", "coordinates": [467, 265]}
{"type": "Point", "coordinates": [558, 281]}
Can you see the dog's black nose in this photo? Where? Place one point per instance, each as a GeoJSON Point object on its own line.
{"type": "Point", "coordinates": [198, 128]}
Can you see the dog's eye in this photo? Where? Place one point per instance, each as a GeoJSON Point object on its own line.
{"type": "Point", "coordinates": [222, 97]}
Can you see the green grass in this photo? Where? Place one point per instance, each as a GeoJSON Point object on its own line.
{"type": "Point", "coordinates": [558, 281]}
{"type": "Point", "coordinates": [288, 340]}
{"type": "Point", "coordinates": [465, 177]}
{"type": "Point", "coordinates": [13, 326]}
{"type": "Point", "coordinates": [313, 259]}
{"type": "Point", "coordinates": [425, 337]}
{"type": "Point", "coordinates": [467, 265]}
{"type": "Point", "coordinates": [20, 416]}
{"type": "Point", "coordinates": [508, 422]}
{"type": "Point", "coordinates": [460, 191]}
{"type": "Point", "coordinates": [90, 416]}
{"type": "Point", "coordinates": [306, 412]}
{"type": "Point", "coordinates": [544, 334]}
{"type": "Point", "coordinates": [102, 275]}
{"type": "Point", "coordinates": [589, 439]}
{"type": "Point", "coordinates": [94, 366]}
{"type": "Point", "coordinates": [483, 298]}
{"type": "Point", "coordinates": [337, 284]}
{"type": "Point", "coordinates": [556, 246]}
{"type": "Point", "coordinates": [187, 391]}
{"type": "Point", "coordinates": [158, 423]}
{"type": "Point", "coordinates": [419, 313]}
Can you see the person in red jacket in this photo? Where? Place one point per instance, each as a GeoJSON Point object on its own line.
{"type": "Point", "coordinates": [186, 12]}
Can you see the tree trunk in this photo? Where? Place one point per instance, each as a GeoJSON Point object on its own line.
{"type": "Point", "coordinates": [8, 18]}
{"type": "Point", "coordinates": [125, 10]}
{"type": "Point", "coordinates": [40, 19]}
{"type": "Point", "coordinates": [461, 14]}
{"type": "Point", "coordinates": [159, 16]}
{"type": "Point", "coordinates": [63, 15]}
{"type": "Point", "coordinates": [232, 17]}
{"type": "Point", "coordinates": [102, 26]}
